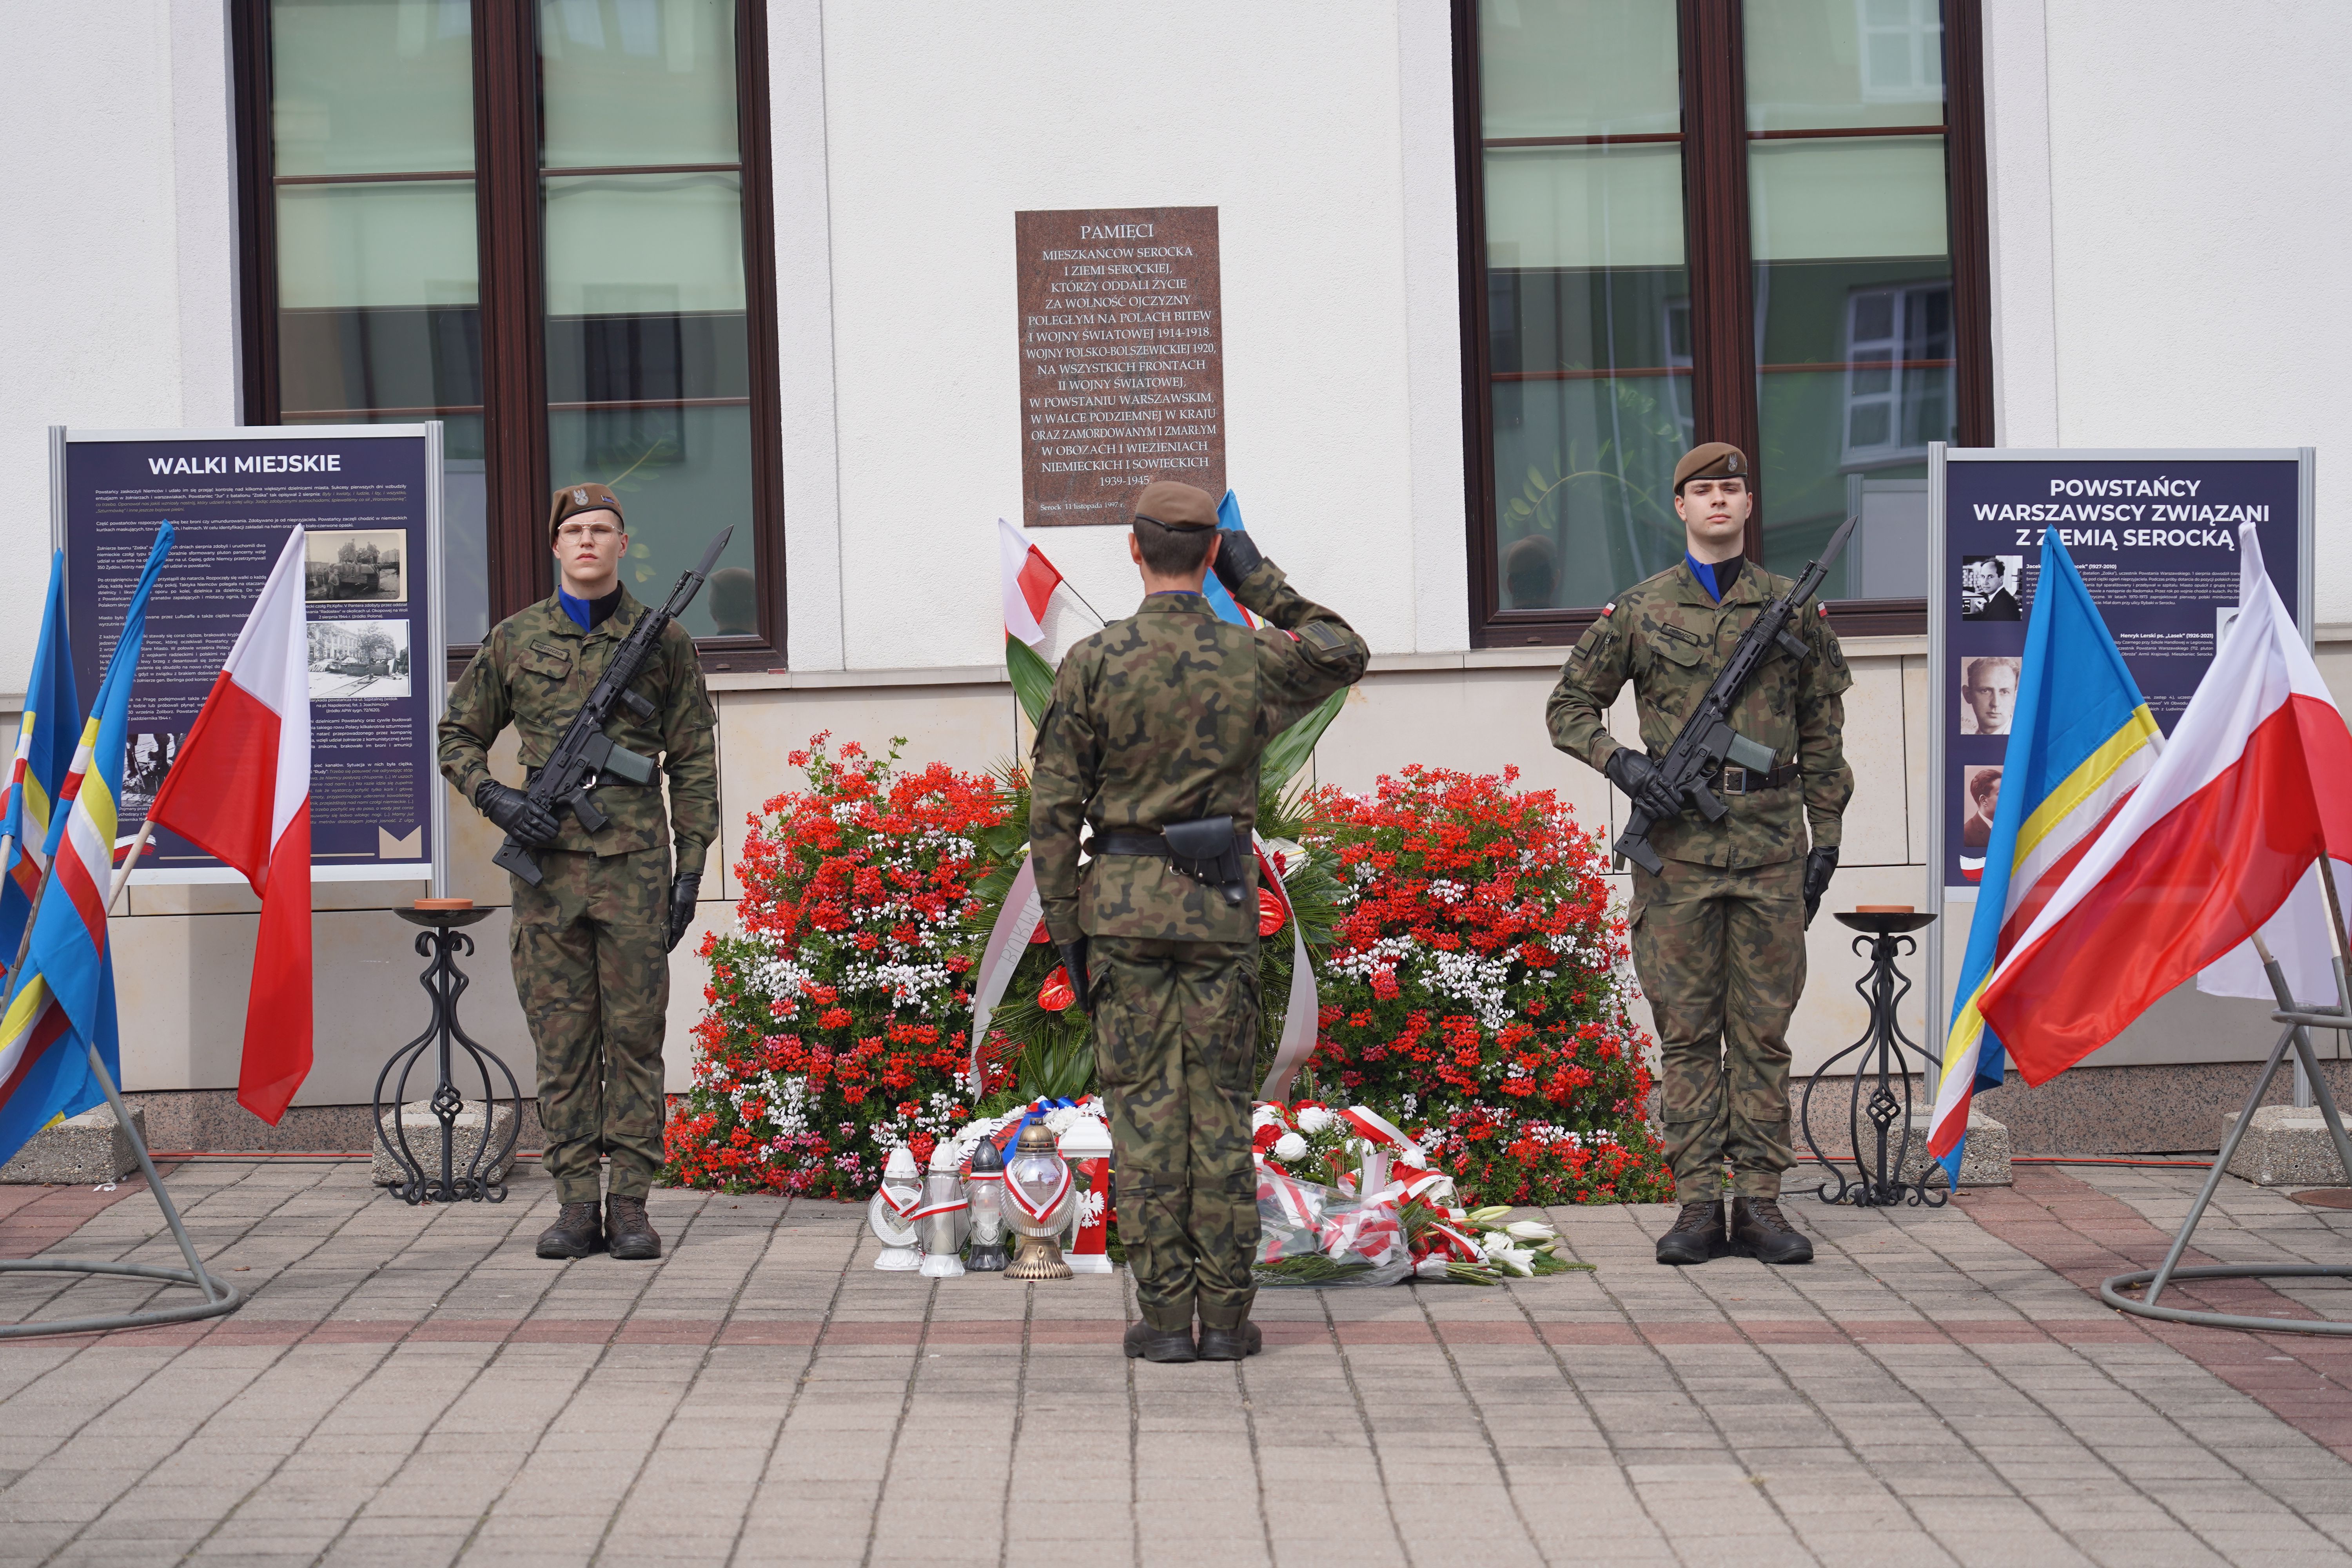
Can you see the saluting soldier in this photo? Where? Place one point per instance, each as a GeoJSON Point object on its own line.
{"type": "Point", "coordinates": [1720, 938]}
{"type": "Point", "coordinates": [1153, 738]}
{"type": "Point", "coordinates": [591, 942]}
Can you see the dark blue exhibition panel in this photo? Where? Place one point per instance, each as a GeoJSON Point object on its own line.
{"type": "Point", "coordinates": [364, 500]}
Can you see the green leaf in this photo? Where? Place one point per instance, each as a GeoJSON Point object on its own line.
{"type": "Point", "coordinates": [1295, 745]}
{"type": "Point", "coordinates": [1520, 508]}
{"type": "Point", "coordinates": [1032, 677]}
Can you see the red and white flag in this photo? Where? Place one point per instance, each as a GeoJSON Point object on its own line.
{"type": "Point", "coordinates": [2254, 785]}
{"type": "Point", "coordinates": [1029, 583]}
{"type": "Point", "coordinates": [240, 790]}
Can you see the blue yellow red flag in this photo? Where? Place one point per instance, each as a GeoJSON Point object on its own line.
{"type": "Point", "coordinates": [2081, 741]}
{"type": "Point", "coordinates": [1229, 517]}
{"type": "Point", "coordinates": [46, 733]}
{"type": "Point", "coordinates": [64, 997]}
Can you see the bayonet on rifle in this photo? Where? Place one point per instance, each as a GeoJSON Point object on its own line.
{"type": "Point", "coordinates": [586, 755]}
{"type": "Point", "coordinates": [1707, 742]}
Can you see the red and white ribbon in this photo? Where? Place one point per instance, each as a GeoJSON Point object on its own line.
{"type": "Point", "coordinates": [1025, 907]}
{"type": "Point", "coordinates": [903, 1208]}
{"type": "Point", "coordinates": [928, 1210]}
{"type": "Point", "coordinates": [1039, 1214]}
{"type": "Point", "coordinates": [1369, 1123]}
{"type": "Point", "coordinates": [1302, 1014]}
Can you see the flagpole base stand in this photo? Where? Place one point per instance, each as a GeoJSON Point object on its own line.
{"type": "Point", "coordinates": [1879, 1106]}
{"type": "Point", "coordinates": [219, 1299]}
{"type": "Point", "coordinates": [470, 1163]}
{"type": "Point", "coordinates": [2111, 1292]}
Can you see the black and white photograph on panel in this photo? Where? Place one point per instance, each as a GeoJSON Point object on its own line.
{"type": "Point", "coordinates": [147, 756]}
{"type": "Point", "coordinates": [1989, 587]}
{"type": "Point", "coordinates": [358, 659]}
{"type": "Point", "coordinates": [1988, 693]}
{"type": "Point", "coordinates": [354, 566]}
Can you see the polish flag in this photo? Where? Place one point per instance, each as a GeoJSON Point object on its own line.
{"type": "Point", "coordinates": [240, 790]}
{"type": "Point", "coordinates": [1029, 582]}
{"type": "Point", "coordinates": [2254, 785]}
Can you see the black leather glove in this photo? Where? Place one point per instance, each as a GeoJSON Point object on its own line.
{"type": "Point", "coordinates": [1237, 557]}
{"type": "Point", "coordinates": [525, 821]}
{"type": "Point", "coordinates": [1073, 961]}
{"type": "Point", "coordinates": [1634, 773]}
{"type": "Point", "coordinates": [682, 894]}
{"type": "Point", "coordinates": [1820, 866]}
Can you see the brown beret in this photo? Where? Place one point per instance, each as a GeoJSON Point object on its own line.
{"type": "Point", "coordinates": [580, 497]}
{"type": "Point", "coordinates": [1184, 508]}
{"type": "Point", "coordinates": [1715, 461]}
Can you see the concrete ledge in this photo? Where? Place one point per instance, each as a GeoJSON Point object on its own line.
{"type": "Point", "coordinates": [423, 1131]}
{"type": "Point", "coordinates": [1984, 1162]}
{"type": "Point", "coordinates": [89, 1149]}
{"type": "Point", "coordinates": [2286, 1147]}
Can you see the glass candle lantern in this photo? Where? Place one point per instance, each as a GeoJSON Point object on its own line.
{"type": "Point", "coordinates": [887, 1212]}
{"type": "Point", "coordinates": [984, 1193]}
{"type": "Point", "coordinates": [940, 1217]}
{"type": "Point", "coordinates": [1038, 1192]}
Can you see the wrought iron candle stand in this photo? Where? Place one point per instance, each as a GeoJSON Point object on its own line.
{"type": "Point", "coordinates": [1880, 1091]}
{"type": "Point", "coordinates": [483, 1178]}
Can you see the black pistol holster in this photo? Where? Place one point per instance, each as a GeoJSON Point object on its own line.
{"type": "Point", "coordinates": [1208, 851]}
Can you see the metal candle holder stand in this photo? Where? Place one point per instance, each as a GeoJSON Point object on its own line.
{"type": "Point", "coordinates": [2300, 1021]}
{"type": "Point", "coordinates": [1878, 1181]}
{"type": "Point", "coordinates": [445, 982]}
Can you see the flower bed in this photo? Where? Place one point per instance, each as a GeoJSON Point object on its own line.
{"type": "Point", "coordinates": [837, 1008]}
{"type": "Point", "coordinates": [1478, 984]}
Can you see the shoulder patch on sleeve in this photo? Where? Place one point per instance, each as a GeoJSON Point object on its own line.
{"type": "Point", "coordinates": [1322, 633]}
{"type": "Point", "coordinates": [1610, 608]}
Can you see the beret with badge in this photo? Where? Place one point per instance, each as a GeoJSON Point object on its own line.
{"type": "Point", "coordinates": [1181, 507]}
{"type": "Point", "coordinates": [574, 499]}
{"type": "Point", "coordinates": [1715, 461]}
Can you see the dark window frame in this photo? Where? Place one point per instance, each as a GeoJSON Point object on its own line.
{"type": "Point", "coordinates": [1715, 139]}
{"type": "Point", "coordinates": [521, 569]}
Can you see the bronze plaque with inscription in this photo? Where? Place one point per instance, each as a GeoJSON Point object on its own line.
{"type": "Point", "coordinates": [1122, 380]}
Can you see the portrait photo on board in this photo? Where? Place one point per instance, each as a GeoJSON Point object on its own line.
{"type": "Point", "coordinates": [147, 756]}
{"type": "Point", "coordinates": [1989, 587]}
{"type": "Point", "coordinates": [1980, 798]}
{"type": "Point", "coordinates": [1988, 694]}
{"type": "Point", "coordinates": [355, 566]}
{"type": "Point", "coordinates": [358, 659]}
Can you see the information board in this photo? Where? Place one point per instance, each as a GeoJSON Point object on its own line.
{"type": "Point", "coordinates": [368, 499]}
{"type": "Point", "coordinates": [1122, 373]}
{"type": "Point", "coordinates": [2154, 535]}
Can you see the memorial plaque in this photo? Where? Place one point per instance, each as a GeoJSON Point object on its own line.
{"type": "Point", "coordinates": [1122, 377]}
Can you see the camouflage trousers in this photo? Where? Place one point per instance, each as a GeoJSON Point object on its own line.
{"type": "Point", "coordinates": [1176, 1042]}
{"type": "Point", "coordinates": [1721, 955]}
{"type": "Point", "coordinates": [592, 971]}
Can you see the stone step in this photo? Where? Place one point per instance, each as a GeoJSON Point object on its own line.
{"type": "Point", "coordinates": [424, 1131]}
{"type": "Point", "coordinates": [89, 1148]}
{"type": "Point", "coordinates": [2286, 1147]}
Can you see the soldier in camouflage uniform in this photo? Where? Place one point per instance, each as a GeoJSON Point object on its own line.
{"type": "Point", "coordinates": [591, 942]}
{"type": "Point", "coordinates": [1157, 721]}
{"type": "Point", "coordinates": [1719, 939]}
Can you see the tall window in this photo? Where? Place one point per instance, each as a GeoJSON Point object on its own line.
{"type": "Point", "coordinates": [539, 223]}
{"type": "Point", "coordinates": [1711, 220]}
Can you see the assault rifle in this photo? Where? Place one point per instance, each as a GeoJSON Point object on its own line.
{"type": "Point", "coordinates": [567, 779]}
{"type": "Point", "coordinates": [1708, 741]}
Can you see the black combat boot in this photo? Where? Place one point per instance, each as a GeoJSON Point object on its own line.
{"type": "Point", "coordinates": [1695, 1236]}
{"type": "Point", "coordinates": [574, 1234]}
{"type": "Point", "coordinates": [628, 1235]}
{"type": "Point", "coordinates": [1760, 1231]}
{"type": "Point", "coordinates": [1154, 1344]}
{"type": "Point", "coordinates": [1231, 1344]}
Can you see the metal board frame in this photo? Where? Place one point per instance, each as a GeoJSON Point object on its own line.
{"type": "Point", "coordinates": [1939, 456]}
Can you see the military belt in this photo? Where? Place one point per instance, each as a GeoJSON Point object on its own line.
{"type": "Point", "coordinates": [1211, 851]}
{"type": "Point", "coordinates": [1154, 844]}
{"type": "Point", "coordinates": [1737, 779]}
{"type": "Point", "coordinates": [603, 780]}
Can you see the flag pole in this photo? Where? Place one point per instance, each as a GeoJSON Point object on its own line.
{"type": "Point", "coordinates": [220, 1297]}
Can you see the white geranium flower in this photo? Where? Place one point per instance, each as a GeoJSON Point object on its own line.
{"type": "Point", "coordinates": [1289, 1147]}
{"type": "Point", "coordinates": [1314, 1120]}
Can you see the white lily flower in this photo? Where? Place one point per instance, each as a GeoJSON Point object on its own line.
{"type": "Point", "coordinates": [1289, 1147]}
{"type": "Point", "coordinates": [1531, 1230]}
{"type": "Point", "coordinates": [1522, 1264]}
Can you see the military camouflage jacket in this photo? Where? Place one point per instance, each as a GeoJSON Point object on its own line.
{"type": "Point", "coordinates": [1163, 718]}
{"type": "Point", "coordinates": [1671, 637]}
{"type": "Point", "coordinates": [535, 671]}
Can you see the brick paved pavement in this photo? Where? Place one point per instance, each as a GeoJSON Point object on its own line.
{"type": "Point", "coordinates": [413, 1386]}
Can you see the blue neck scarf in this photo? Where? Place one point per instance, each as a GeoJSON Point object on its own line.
{"type": "Point", "coordinates": [1706, 573]}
